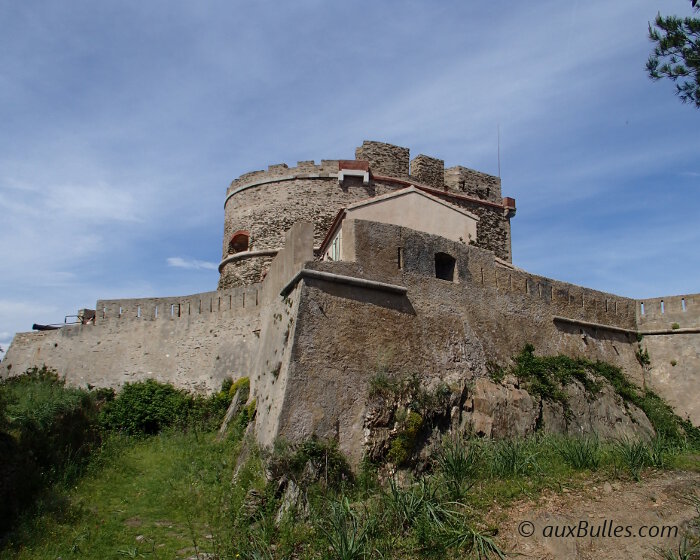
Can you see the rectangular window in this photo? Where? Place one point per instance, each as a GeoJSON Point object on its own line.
{"type": "Point", "coordinates": [333, 253]}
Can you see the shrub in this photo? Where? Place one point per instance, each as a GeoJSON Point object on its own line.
{"type": "Point", "coordinates": [345, 532]}
{"type": "Point", "coordinates": [381, 385]}
{"type": "Point", "coordinates": [309, 461]}
{"type": "Point", "coordinates": [147, 407]}
{"type": "Point", "coordinates": [634, 456]}
{"type": "Point", "coordinates": [404, 443]}
{"type": "Point", "coordinates": [675, 326]}
{"type": "Point", "coordinates": [513, 457]}
{"type": "Point", "coordinates": [459, 462]}
{"type": "Point", "coordinates": [546, 375]}
{"type": "Point", "coordinates": [243, 384]}
{"type": "Point", "coordinates": [47, 432]}
{"type": "Point", "coordinates": [581, 453]}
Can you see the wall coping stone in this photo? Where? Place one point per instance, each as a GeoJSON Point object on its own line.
{"type": "Point", "coordinates": [593, 325]}
{"type": "Point", "coordinates": [280, 179]}
{"type": "Point", "coordinates": [246, 255]}
{"type": "Point", "coordinates": [341, 279]}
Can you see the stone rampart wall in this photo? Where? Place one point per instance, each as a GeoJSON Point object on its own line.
{"type": "Point", "coordinates": [215, 335]}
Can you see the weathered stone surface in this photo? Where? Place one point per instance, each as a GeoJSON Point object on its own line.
{"type": "Point", "coordinates": [605, 415]}
{"type": "Point", "coordinates": [496, 411]}
{"type": "Point", "coordinates": [501, 411]}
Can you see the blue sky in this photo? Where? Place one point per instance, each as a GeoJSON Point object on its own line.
{"type": "Point", "coordinates": [122, 124]}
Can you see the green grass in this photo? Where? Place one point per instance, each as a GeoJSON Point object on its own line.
{"type": "Point", "coordinates": [147, 496]}
{"type": "Point", "coordinates": [161, 496]}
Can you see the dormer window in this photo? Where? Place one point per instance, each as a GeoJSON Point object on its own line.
{"type": "Point", "coordinates": [239, 242]}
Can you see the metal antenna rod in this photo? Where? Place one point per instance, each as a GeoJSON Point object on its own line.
{"type": "Point", "coordinates": [499, 150]}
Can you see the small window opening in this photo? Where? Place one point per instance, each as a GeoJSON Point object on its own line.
{"type": "Point", "coordinates": [239, 242]}
{"type": "Point", "coordinates": [156, 312]}
{"type": "Point", "coordinates": [641, 304]}
{"type": "Point", "coordinates": [120, 311]}
{"type": "Point", "coordinates": [138, 311]}
{"type": "Point", "coordinates": [663, 309]}
{"type": "Point", "coordinates": [399, 258]}
{"type": "Point", "coordinates": [444, 267]}
{"type": "Point", "coordinates": [172, 310]}
{"type": "Point", "coordinates": [683, 304]}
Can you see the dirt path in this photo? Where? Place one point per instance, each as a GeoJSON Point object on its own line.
{"type": "Point", "coordinates": [638, 513]}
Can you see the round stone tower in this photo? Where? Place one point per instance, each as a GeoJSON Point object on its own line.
{"type": "Point", "coordinates": [261, 206]}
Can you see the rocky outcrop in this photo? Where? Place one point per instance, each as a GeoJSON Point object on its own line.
{"type": "Point", "coordinates": [494, 409]}
{"type": "Point", "coordinates": [504, 410]}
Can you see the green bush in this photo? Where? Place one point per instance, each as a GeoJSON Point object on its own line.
{"type": "Point", "coordinates": [309, 461]}
{"type": "Point", "coordinates": [148, 407]}
{"type": "Point", "coordinates": [546, 375]}
{"type": "Point", "coordinates": [47, 432]}
{"type": "Point", "coordinates": [404, 443]}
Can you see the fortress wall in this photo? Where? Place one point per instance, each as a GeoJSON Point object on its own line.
{"type": "Point", "coordinates": [195, 351]}
{"type": "Point", "coordinates": [278, 331]}
{"type": "Point", "coordinates": [674, 353]}
{"type": "Point", "coordinates": [522, 305]}
{"type": "Point", "coordinates": [662, 312]}
{"type": "Point", "coordinates": [675, 370]}
{"type": "Point", "coordinates": [492, 229]}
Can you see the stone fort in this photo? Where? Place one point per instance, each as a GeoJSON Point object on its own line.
{"type": "Point", "coordinates": [332, 272]}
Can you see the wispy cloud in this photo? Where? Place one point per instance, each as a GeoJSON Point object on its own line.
{"type": "Point", "coordinates": [192, 264]}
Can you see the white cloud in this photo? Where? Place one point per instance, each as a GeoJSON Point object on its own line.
{"type": "Point", "coordinates": [192, 264]}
